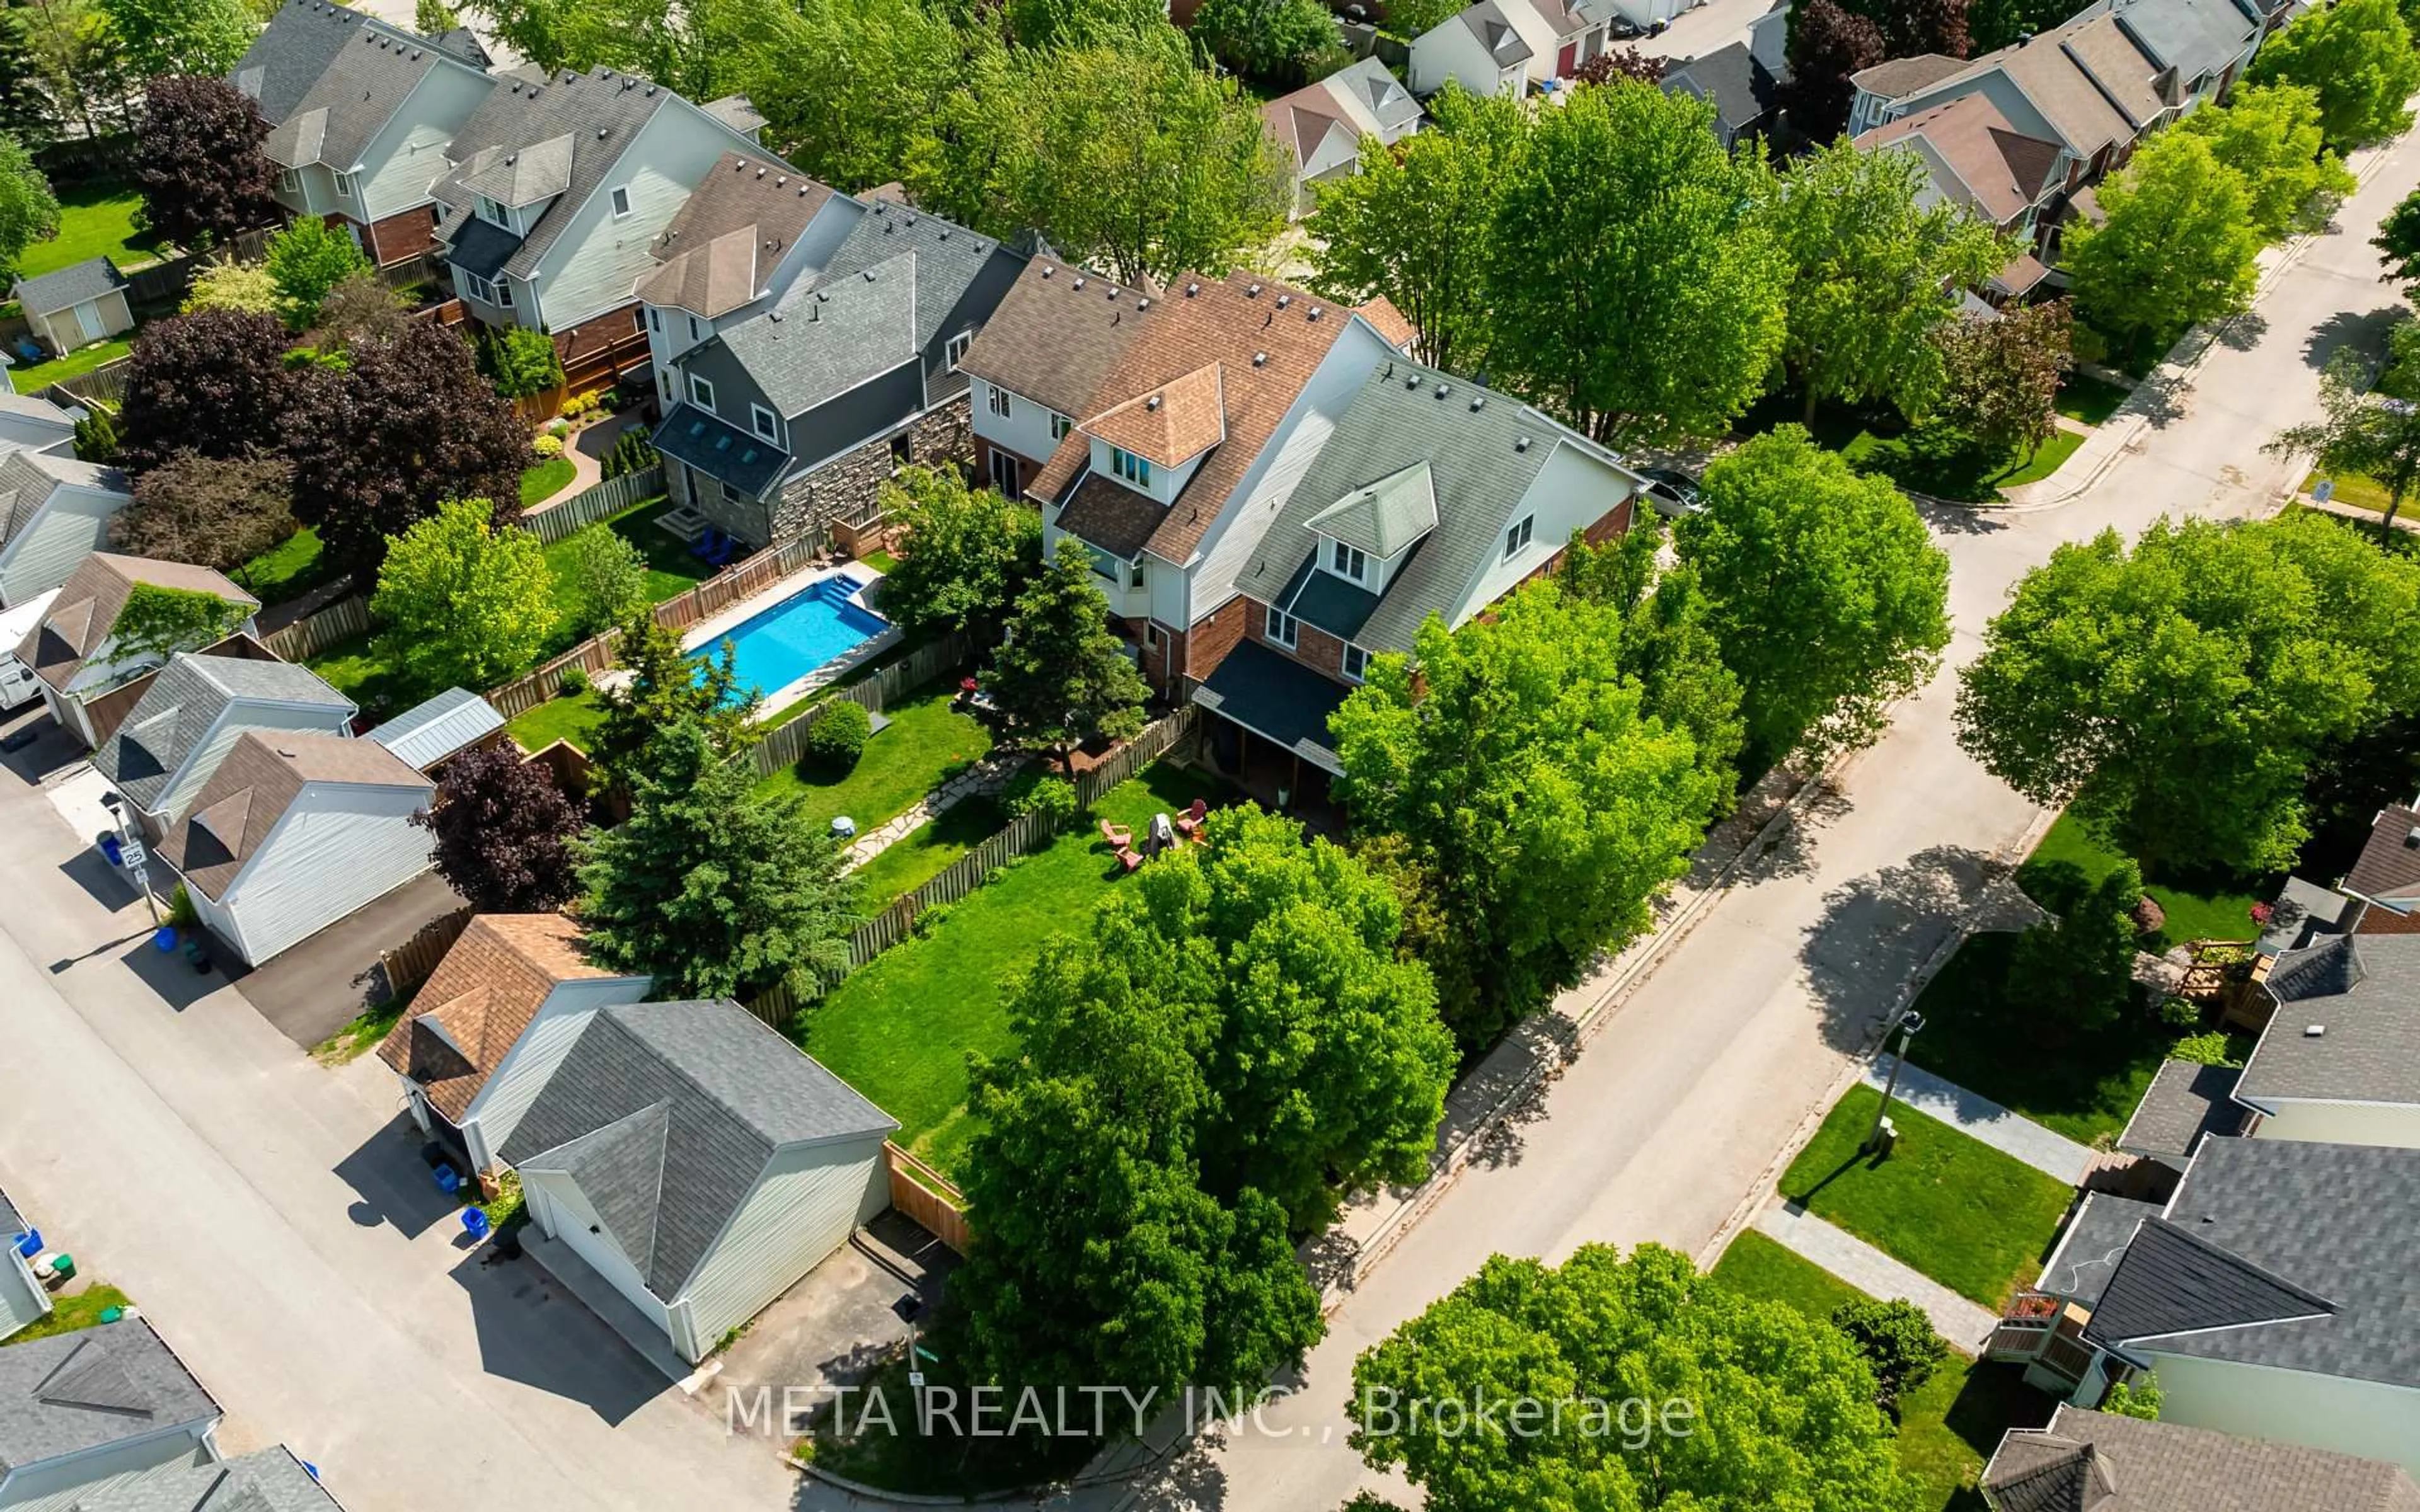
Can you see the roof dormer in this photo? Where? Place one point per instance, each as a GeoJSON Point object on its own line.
{"type": "Point", "coordinates": [1149, 442]}
{"type": "Point", "coordinates": [1364, 535]}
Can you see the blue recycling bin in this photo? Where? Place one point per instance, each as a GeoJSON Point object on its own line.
{"type": "Point", "coordinates": [475, 1223]}
{"type": "Point", "coordinates": [112, 850]}
{"type": "Point", "coordinates": [163, 939]}
{"type": "Point", "coordinates": [30, 1243]}
{"type": "Point", "coordinates": [448, 1180]}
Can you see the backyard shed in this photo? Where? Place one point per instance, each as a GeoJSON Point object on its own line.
{"type": "Point", "coordinates": [428, 735]}
{"type": "Point", "coordinates": [698, 1163]}
{"type": "Point", "coordinates": [76, 305]}
{"type": "Point", "coordinates": [55, 512]}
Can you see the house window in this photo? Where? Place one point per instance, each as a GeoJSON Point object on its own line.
{"type": "Point", "coordinates": [764, 422]}
{"type": "Point", "coordinates": [1134, 575]}
{"type": "Point", "coordinates": [696, 331]}
{"type": "Point", "coordinates": [638, 322]}
{"type": "Point", "coordinates": [621, 201]}
{"type": "Point", "coordinates": [1281, 628]}
{"type": "Point", "coordinates": [1130, 467]}
{"type": "Point", "coordinates": [499, 293]}
{"type": "Point", "coordinates": [1348, 562]}
{"type": "Point", "coordinates": [493, 210]}
{"type": "Point", "coordinates": [1357, 663]}
{"type": "Point", "coordinates": [996, 399]}
{"type": "Point", "coordinates": [667, 386]}
{"type": "Point", "coordinates": [1004, 473]}
{"type": "Point", "coordinates": [957, 348]}
{"type": "Point", "coordinates": [1060, 426]}
{"type": "Point", "coordinates": [1516, 540]}
{"type": "Point", "coordinates": [701, 393]}
{"type": "Point", "coordinates": [290, 180]}
{"type": "Point", "coordinates": [899, 454]}
{"type": "Point", "coordinates": [655, 320]}
{"type": "Point", "coordinates": [345, 185]}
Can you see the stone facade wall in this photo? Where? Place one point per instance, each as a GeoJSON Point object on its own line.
{"type": "Point", "coordinates": [940, 436]}
{"type": "Point", "coordinates": [404, 235]}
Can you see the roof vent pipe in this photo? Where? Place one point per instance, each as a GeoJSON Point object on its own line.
{"type": "Point", "coordinates": [1284, 300]}
{"type": "Point", "coordinates": [1260, 359]}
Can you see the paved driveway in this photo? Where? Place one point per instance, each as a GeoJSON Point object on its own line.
{"type": "Point", "coordinates": [312, 990]}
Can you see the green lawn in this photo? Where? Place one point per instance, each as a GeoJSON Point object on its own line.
{"type": "Point", "coordinates": [2357, 489]}
{"type": "Point", "coordinates": [289, 570]}
{"type": "Point", "coordinates": [547, 479]}
{"type": "Point", "coordinates": [363, 1034]}
{"type": "Point", "coordinates": [900, 1030]}
{"type": "Point", "coordinates": [557, 719]}
{"type": "Point", "coordinates": [671, 570]}
{"type": "Point", "coordinates": [880, 559]}
{"type": "Point", "coordinates": [1946, 1204]}
{"type": "Point", "coordinates": [1961, 475]}
{"type": "Point", "coordinates": [2198, 907]}
{"type": "Point", "coordinates": [96, 220]}
{"type": "Point", "coordinates": [928, 851]}
{"type": "Point", "coordinates": [2091, 400]}
{"type": "Point", "coordinates": [926, 742]}
{"type": "Point", "coordinates": [34, 377]}
{"type": "Point", "coordinates": [1977, 1034]}
{"type": "Point", "coordinates": [1947, 1427]}
{"type": "Point", "coordinates": [68, 1313]}
{"type": "Point", "coordinates": [360, 670]}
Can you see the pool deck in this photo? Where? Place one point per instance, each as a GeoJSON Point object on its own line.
{"type": "Point", "coordinates": [704, 634]}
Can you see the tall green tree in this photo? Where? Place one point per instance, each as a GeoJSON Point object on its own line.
{"type": "Point", "coordinates": [193, 36]}
{"type": "Point", "coordinates": [84, 65]}
{"type": "Point", "coordinates": [1635, 287]}
{"type": "Point", "coordinates": [2000, 378]}
{"type": "Point", "coordinates": [1747, 1405]}
{"type": "Point", "coordinates": [710, 888]}
{"type": "Point", "coordinates": [848, 88]}
{"type": "Point", "coordinates": [1416, 223]}
{"type": "Point", "coordinates": [1075, 23]}
{"type": "Point", "coordinates": [1669, 642]}
{"type": "Point", "coordinates": [1828, 595]}
{"type": "Point", "coordinates": [965, 554]}
{"type": "Point", "coordinates": [609, 578]}
{"type": "Point", "coordinates": [2358, 55]}
{"type": "Point", "coordinates": [1280, 44]}
{"type": "Point", "coordinates": [2398, 244]}
{"type": "Point", "coordinates": [198, 162]}
{"type": "Point", "coordinates": [2271, 134]}
{"type": "Point", "coordinates": [214, 383]}
{"type": "Point", "coordinates": [29, 213]}
{"type": "Point", "coordinates": [2372, 419]}
{"type": "Point", "coordinates": [306, 260]}
{"type": "Point", "coordinates": [465, 605]}
{"type": "Point", "coordinates": [1878, 264]}
{"type": "Point", "coordinates": [1060, 677]}
{"type": "Point", "coordinates": [2177, 246]}
{"type": "Point", "coordinates": [2175, 694]}
{"type": "Point", "coordinates": [502, 834]}
{"type": "Point", "coordinates": [2079, 967]}
{"type": "Point", "coordinates": [666, 686]}
{"type": "Point", "coordinates": [1540, 809]}
{"type": "Point", "coordinates": [1131, 156]}
{"type": "Point", "coordinates": [27, 109]}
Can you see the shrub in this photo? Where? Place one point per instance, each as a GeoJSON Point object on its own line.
{"type": "Point", "coordinates": [1053, 796]}
{"type": "Point", "coordinates": [2212, 1049]}
{"type": "Point", "coordinates": [547, 446]}
{"type": "Point", "coordinates": [1898, 1340]}
{"type": "Point", "coordinates": [181, 912]}
{"type": "Point", "coordinates": [2180, 1012]}
{"type": "Point", "coordinates": [519, 362]}
{"type": "Point", "coordinates": [838, 736]}
{"type": "Point", "coordinates": [96, 437]}
{"type": "Point", "coordinates": [633, 452]}
{"type": "Point", "coordinates": [573, 683]}
{"type": "Point", "coordinates": [2135, 1398]}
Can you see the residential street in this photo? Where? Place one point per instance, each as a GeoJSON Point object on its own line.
{"type": "Point", "coordinates": [1678, 1109]}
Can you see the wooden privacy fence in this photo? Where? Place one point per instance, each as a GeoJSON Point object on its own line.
{"type": "Point", "coordinates": [315, 633]}
{"type": "Point", "coordinates": [1157, 740]}
{"type": "Point", "coordinates": [166, 282]}
{"type": "Point", "coordinates": [896, 922]}
{"type": "Point", "coordinates": [598, 501]}
{"type": "Point", "coordinates": [782, 747]}
{"type": "Point", "coordinates": [927, 1197]}
{"type": "Point", "coordinates": [105, 384]}
{"type": "Point", "coordinates": [409, 964]}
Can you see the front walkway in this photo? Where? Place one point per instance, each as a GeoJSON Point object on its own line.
{"type": "Point", "coordinates": [2010, 1134]}
{"type": "Point", "coordinates": [1874, 1272]}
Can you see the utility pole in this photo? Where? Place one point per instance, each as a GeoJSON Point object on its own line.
{"type": "Point", "coordinates": [1909, 1023]}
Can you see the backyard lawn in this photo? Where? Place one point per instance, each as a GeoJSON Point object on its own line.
{"type": "Point", "coordinates": [671, 570]}
{"type": "Point", "coordinates": [545, 479]}
{"type": "Point", "coordinates": [1946, 1204]}
{"type": "Point", "coordinates": [899, 1030]}
{"type": "Point", "coordinates": [68, 1313]}
{"type": "Point", "coordinates": [925, 744]}
{"type": "Point", "coordinates": [360, 670]}
{"type": "Point", "coordinates": [1963, 476]}
{"type": "Point", "coordinates": [36, 377]}
{"type": "Point", "coordinates": [96, 220]}
{"type": "Point", "coordinates": [927, 851]}
{"type": "Point", "coordinates": [2091, 400]}
{"type": "Point", "coordinates": [1947, 1427]}
{"type": "Point", "coordinates": [2198, 908]}
{"type": "Point", "coordinates": [286, 571]}
{"type": "Point", "coordinates": [557, 719]}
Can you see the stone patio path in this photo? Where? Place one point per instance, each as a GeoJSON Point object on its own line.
{"type": "Point", "coordinates": [984, 776]}
{"type": "Point", "coordinates": [1874, 1272]}
{"type": "Point", "coordinates": [2010, 1134]}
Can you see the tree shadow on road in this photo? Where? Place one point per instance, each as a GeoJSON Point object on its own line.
{"type": "Point", "coordinates": [2244, 332]}
{"type": "Point", "coordinates": [1792, 853]}
{"type": "Point", "coordinates": [2363, 332]}
{"type": "Point", "coordinates": [1962, 520]}
{"type": "Point", "coordinates": [1862, 954]}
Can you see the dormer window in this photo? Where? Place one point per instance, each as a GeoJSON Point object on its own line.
{"type": "Point", "coordinates": [494, 212]}
{"type": "Point", "coordinates": [1347, 562]}
{"type": "Point", "coordinates": [1134, 468]}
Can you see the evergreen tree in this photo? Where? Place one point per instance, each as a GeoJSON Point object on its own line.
{"type": "Point", "coordinates": [1060, 677]}
{"type": "Point", "coordinates": [667, 687]}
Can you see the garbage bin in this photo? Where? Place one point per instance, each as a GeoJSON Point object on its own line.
{"type": "Point", "coordinates": [475, 1223]}
{"type": "Point", "coordinates": [112, 850]}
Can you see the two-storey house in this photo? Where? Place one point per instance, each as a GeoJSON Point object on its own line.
{"type": "Point", "coordinates": [1974, 156]}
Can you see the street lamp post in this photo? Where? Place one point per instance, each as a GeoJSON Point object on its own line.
{"type": "Point", "coordinates": [133, 852]}
{"type": "Point", "coordinates": [1909, 1023]}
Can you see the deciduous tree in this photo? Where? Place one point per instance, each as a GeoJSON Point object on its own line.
{"type": "Point", "coordinates": [710, 888]}
{"type": "Point", "coordinates": [1540, 809]}
{"type": "Point", "coordinates": [1898, 1340]}
{"type": "Point", "coordinates": [848, 87]}
{"type": "Point", "coordinates": [1634, 286]}
{"type": "Point", "coordinates": [1748, 1404]}
{"type": "Point", "coordinates": [465, 605]}
{"type": "Point", "coordinates": [2398, 244]}
{"type": "Point", "coordinates": [2359, 56]}
{"type": "Point", "coordinates": [305, 262]}
{"type": "Point", "coordinates": [84, 65]}
{"type": "Point", "coordinates": [1060, 677]}
{"type": "Point", "coordinates": [2078, 967]}
{"type": "Point", "coordinates": [1280, 43]}
{"type": "Point", "coordinates": [1619, 63]}
{"type": "Point", "coordinates": [1415, 225]}
{"type": "Point", "coordinates": [1877, 266]}
{"type": "Point", "coordinates": [502, 834]}
{"type": "Point", "coordinates": [1827, 44]}
{"type": "Point", "coordinates": [2001, 377]}
{"type": "Point", "coordinates": [965, 554]}
{"type": "Point", "coordinates": [2270, 133]}
{"type": "Point", "coordinates": [214, 383]}
{"type": "Point", "coordinates": [2372, 425]}
{"type": "Point", "coordinates": [2177, 246]}
{"type": "Point", "coordinates": [359, 311]}
{"type": "Point", "coordinates": [520, 360]}
{"type": "Point", "coordinates": [1828, 594]}
{"type": "Point", "coordinates": [609, 578]}
{"type": "Point", "coordinates": [224, 284]}
{"type": "Point", "coordinates": [1075, 22]}
{"type": "Point", "coordinates": [215, 512]}
{"type": "Point", "coordinates": [29, 213]}
{"type": "Point", "coordinates": [198, 162]}
{"type": "Point", "coordinates": [201, 37]}
{"type": "Point", "coordinates": [2173, 696]}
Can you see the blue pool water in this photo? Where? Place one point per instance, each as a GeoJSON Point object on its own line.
{"type": "Point", "coordinates": [778, 646]}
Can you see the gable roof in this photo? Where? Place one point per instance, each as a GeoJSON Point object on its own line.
{"type": "Point", "coordinates": [28, 478]}
{"type": "Point", "coordinates": [665, 1114]}
{"type": "Point", "coordinates": [1902, 76]}
{"type": "Point", "coordinates": [2072, 85]}
{"type": "Point", "coordinates": [297, 46]}
{"type": "Point", "coordinates": [2388, 870]}
{"type": "Point", "coordinates": [2196, 38]}
{"type": "Point", "coordinates": [260, 776]}
{"type": "Point", "coordinates": [1995, 169]}
{"type": "Point", "coordinates": [1267, 337]}
{"type": "Point", "coordinates": [1174, 423]}
{"type": "Point", "coordinates": [2184, 1104]}
{"type": "Point", "coordinates": [89, 602]}
{"type": "Point", "coordinates": [949, 258]}
{"type": "Point", "coordinates": [2086, 1461]}
{"type": "Point", "coordinates": [475, 1005]}
{"type": "Point", "coordinates": [76, 1392]}
{"type": "Point", "coordinates": [1369, 86]}
{"type": "Point", "coordinates": [826, 336]}
{"type": "Point", "coordinates": [2280, 1253]}
{"type": "Point", "coordinates": [48, 293]}
{"type": "Point", "coordinates": [1731, 80]}
{"type": "Point", "coordinates": [592, 117]}
{"type": "Point", "coordinates": [1387, 516]}
{"type": "Point", "coordinates": [432, 730]}
{"type": "Point", "coordinates": [2363, 993]}
{"type": "Point", "coordinates": [269, 1480]}
{"type": "Point", "coordinates": [1308, 126]}
{"type": "Point", "coordinates": [186, 697]}
{"type": "Point", "coordinates": [723, 243]}
{"type": "Point", "coordinates": [1496, 32]}
{"type": "Point", "coordinates": [361, 87]}
{"type": "Point", "coordinates": [1059, 333]}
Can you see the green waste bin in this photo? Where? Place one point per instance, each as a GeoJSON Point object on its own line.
{"type": "Point", "coordinates": [63, 1266]}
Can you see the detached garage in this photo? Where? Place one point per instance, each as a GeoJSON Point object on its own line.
{"type": "Point", "coordinates": [76, 305]}
{"type": "Point", "coordinates": [698, 1163]}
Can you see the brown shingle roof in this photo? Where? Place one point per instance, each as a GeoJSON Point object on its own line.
{"type": "Point", "coordinates": [482, 995]}
{"type": "Point", "coordinates": [1903, 76]}
{"type": "Point", "coordinates": [2126, 73]}
{"type": "Point", "coordinates": [1268, 337]}
{"type": "Point", "coordinates": [1112, 516]}
{"type": "Point", "coordinates": [2060, 84]}
{"type": "Point", "coordinates": [2086, 1461]}
{"type": "Point", "coordinates": [1171, 424]}
{"type": "Point", "coordinates": [1058, 333]}
{"type": "Point", "coordinates": [2389, 869]}
{"type": "Point", "coordinates": [2003, 169]}
{"type": "Point", "coordinates": [746, 213]}
{"type": "Point", "coordinates": [260, 776]}
{"type": "Point", "coordinates": [89, 602]}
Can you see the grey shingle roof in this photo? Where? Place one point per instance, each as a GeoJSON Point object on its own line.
{"type": "Point", "coordinates": [2388, 871]}
{"type": "Point", "coordinates": [1274, 695]}
{"type": "Point", "coordinates": [185, 697]}
{"type": "Point", "coordinates": [1375, 87]}
{"type": "Point", "coordinates": [359, 91]}
{"type": "Point", "coordinates": [270, 1480]}
{"type": "Point", "coordinates": [600, 112]}
{"type": "Point", "coordinates": [28, 478]}
{"type": "Point", "coordinates": [1386, 516]}
{"type": "Point", "coordinates": [2089, 1247]}
{"type": "Point", "coordinates": [429, 732]}
{"type": "Point", "coordinates": [12, 1223]}
{"type": "Point", "coordinates": [2302, 915]}
{"type": "Point", "coordinates": [71, 285]}
{"type": "Point", "coordinates": [693, 1098]}
{"type": "Point", "coordinates": [745, 462]}
{"type": "Point", "coordinates": [826, 338]}
{"type": "Point", "coordinates": [2363, 993]}
{"type": "Point", "coordinates": [524, 176]}
{"type": "Point", "coordinates": [1731, 80]}
{"type": "Point", "coordinates": [948, 258]}
{"type": "Point", "coordinates": [2184, 1104]}
{"type": "Point", "coordinates": [74, 1391]}
{"type": "Point", "coordinates": [292, 51]}
{"type": "Point", "coordinates": [2196, 38]}
{"type": "Point", "coordinates": [2260, 1228]}
{"type": "Point", "coordinates": [2085, 1461]}
{"type": "Point", "coordinates": [1485, 21]}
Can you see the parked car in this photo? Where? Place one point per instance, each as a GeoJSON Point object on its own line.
{"type": "Point", "coordinates": [1671, 491]}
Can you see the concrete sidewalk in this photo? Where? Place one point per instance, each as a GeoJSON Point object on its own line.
{"type": "Point", "coordinates": [1875, 1273]}
{"type": "Point", "coordinates": [2010, 1134]}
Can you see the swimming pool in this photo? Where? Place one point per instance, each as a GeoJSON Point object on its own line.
{"type": "Point", "coordinates": [785, 644]}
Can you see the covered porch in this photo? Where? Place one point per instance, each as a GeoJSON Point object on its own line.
{"type": "Point", "coordinates": [1269, 736]}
